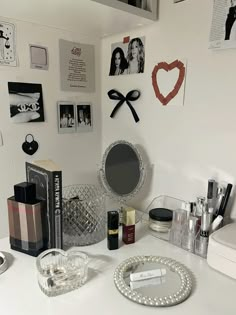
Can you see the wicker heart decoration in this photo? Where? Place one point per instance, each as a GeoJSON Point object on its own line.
{"type": "Point", "coordinates": [168, 67]}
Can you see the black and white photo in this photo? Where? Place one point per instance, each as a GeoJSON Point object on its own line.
{"type": "Point", "coordinates": [128, 58]}
{"type": "Point", "coordinates": [223, 25]}
{"type": "Point", "coordinates": [26, 102]}
{"type": "Point", "coordinates": [66, 117]}
{"type": "Point", "coordinates": [84, 117]}
{"type": "Point", "coordinates": [230, 19]}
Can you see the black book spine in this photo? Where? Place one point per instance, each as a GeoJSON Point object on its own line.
{"type": "Point", "coordinates": [56, 209]}
{"type": "Point", "coordinates": [49, 189]}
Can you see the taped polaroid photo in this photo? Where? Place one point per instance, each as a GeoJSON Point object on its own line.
{"type": "Point", "coordinates": [84, 121]}
{"type": "Point", "coordinates": [66, 117]}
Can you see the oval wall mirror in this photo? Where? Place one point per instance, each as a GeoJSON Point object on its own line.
{"type": "Point", "coordinates": [122, 172]}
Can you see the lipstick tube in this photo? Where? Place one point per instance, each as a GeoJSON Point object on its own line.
{"type": "Point", "coordinates": [113, 230]}
{"type": "Point", "coordinates": [144, 275]}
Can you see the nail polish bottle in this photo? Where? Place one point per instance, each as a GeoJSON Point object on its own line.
{"type": "Point", "coordinates": [128, 228]}
{"type": "Point", "coordinates": [113, 230]}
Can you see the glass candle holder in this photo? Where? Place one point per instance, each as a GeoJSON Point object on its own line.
{"type": "Point", "coordinates": [60, 272]}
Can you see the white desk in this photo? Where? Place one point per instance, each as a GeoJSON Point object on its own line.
{"type": "Point", "coordinates": [213, 293]}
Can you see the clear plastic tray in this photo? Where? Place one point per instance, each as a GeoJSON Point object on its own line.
{"type": "Point", "coordinates": [162, 201]}
{"type": "Point", "coordinates": [178, 237]}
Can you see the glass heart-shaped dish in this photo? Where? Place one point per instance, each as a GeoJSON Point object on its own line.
{"type": "Point", "coordinates": [60, 272]}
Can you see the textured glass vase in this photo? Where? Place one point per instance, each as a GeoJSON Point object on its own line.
{"type": "Point", "coordinates": [84, 215]}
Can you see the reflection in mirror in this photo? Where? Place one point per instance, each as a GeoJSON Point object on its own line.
{"type": "Point", "coordinates": [122, 171]}
{"type": "Point", "coordinates": [153, 280]}
{"type": "Point", "coordinates": [122, 163]}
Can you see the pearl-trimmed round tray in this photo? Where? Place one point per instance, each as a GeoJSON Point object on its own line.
{"type": "Point", "coordinates": [175, 298]}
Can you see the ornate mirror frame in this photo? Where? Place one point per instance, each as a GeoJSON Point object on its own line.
{"type": "Point", "coordinates": [102, 173]}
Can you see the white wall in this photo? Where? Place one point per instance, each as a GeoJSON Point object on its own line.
{"type": "Point", "coordinates": [184, 145]}
{"type": "Point", "coordinates": [77, 153]}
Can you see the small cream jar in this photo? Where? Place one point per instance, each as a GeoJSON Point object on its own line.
{"type": "Point", "coordinates": [160, 219]}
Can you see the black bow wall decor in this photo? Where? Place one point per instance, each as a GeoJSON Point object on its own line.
{"type": "Point", "coordinates": [131, 96]}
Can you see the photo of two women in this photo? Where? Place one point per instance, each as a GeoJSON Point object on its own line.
{"type": "Point", "coordinates": [128, 58]}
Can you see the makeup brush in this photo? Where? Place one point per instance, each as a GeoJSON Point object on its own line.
{"type": "Point", "coordinates": [225, 200]}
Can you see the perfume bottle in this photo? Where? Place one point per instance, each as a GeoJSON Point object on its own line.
{"type": "Point", "coordinates": [113, 230]}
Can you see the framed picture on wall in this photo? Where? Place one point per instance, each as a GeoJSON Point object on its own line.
{"type": "Point", "coordinates": [66, 117]}
{"type": "Point", "coordinates": [38, 57]}
{"type": "Point", "coordinates": [84, 120]}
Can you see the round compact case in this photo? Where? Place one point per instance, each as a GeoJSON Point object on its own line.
{"type": "Point", "coordinates": [160, 219]}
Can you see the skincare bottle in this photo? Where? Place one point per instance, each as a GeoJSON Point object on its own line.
{"type": "Point", "coordinates": [113, 230]}
{"type": "Point", "coordinates": [128, 230]}
{"type": "Point", "coordinates": [191, 229]}
{"type": "Point", "coordinates": [204, 234]}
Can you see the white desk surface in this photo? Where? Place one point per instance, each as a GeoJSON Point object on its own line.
{"type": "Point", "coordinates": [213, 293]}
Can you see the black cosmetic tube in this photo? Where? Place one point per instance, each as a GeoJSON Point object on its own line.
{"type": "Point", "coordinates": [225, 200]}
{"type": "Point", "coordinates": [113, 230]}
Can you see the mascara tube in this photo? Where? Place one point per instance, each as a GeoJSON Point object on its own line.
{"type": "Point", "coordinates": [113, 230]}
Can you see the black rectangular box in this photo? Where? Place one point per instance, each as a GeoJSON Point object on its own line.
{"type": "Point", "coordinates": [25, 192]}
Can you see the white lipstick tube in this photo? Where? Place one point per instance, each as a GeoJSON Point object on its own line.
{"type": "Point", "coordinates": [147, 274]}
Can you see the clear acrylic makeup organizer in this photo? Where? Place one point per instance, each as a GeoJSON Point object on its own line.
{"type": "Point", "coordinates": [176, 237]}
